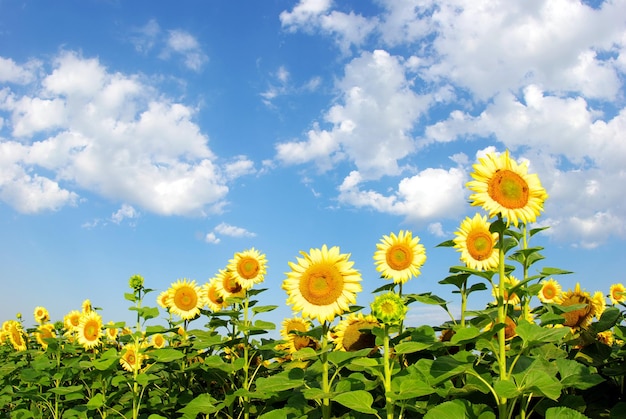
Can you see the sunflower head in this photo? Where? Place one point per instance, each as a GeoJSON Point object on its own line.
{"type": "Point", "coordinates": [502, 186]}
{"type": "Point", "coordinates": [132, 357]}
{"type": "Point", "coordinates": [550, 291]}
{"type": "Point", "coordinates": [389, 308]}
{"type": "Point", "coordinates": [606, 337]}
{"type": "Point", "coordinates": [295, 341]}
{"type": "Point", "coordinates": [16, 335]}
{"type": "Point", "coordinates": [617, 293]}
{"type": "Point", "coordinates": [578, 318]}
{"type": "Point", "coordinates": [89, 329]}
{"type": "Point", "coordinates": [248, 267]}
{"type": "Point", "coordinates": [354, 333]}
{"type": "Point", "coordinates": [228, 285]}
{"type": "Point", "coordinates": [111, 332]}
{"type": "Point", "coordinates": [399, 257]}
{"type": "Point", "coordinates": [184, 299]}
{"type": "Point", "coordinates": [45, 331]}
{"type": "Point", "coordinates": [86, 306]}
{"type": "Point", "coordinates": [41, 315]}
{"type": "Point", "coordinates": [163, 300]}
{"type": "Point", "coordinates": [322, 284]}
{"type": "Point", "coordinates": [212, 297]}
{"type": "Point", "coordinates": [71, 320]}
{"type": "Point", "coordinates": [158, 340]}
{"type": "Point", "coordinates": [477, 244]}
{"type": "Point", "coordinates": [509, 297]}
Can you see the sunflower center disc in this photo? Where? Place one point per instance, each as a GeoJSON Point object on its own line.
{"type": "Point", "coordinates": [508, 189]}
{"type": "Point", "coordinates": [185, 300]}
{"type": "Point", "coordinates": [248, 268]}
{"type": "Point", "coordinates": [323, 285]}
{"type": "Point", "coordinates": [480, 245]}
{"type": "Point", "coordinates": [399, 257]}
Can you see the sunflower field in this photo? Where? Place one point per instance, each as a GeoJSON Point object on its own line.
{"type": "Point", "coordinates": [536, 350]}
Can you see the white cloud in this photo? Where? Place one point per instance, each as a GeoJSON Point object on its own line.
{"type": "Point", "coordinates": [125, 212]}
{"type": "Point", "coordinates": [224, 229]}
{"type": "Point", "coordinates": [211, 238]}
{"type": "Point", "coordinates": [11, 72]}
{"type": "Point", "coordinates": [144, 38]}
{"type": "Point", "coordinates": [183, 43]}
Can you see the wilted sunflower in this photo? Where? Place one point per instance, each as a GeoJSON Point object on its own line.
{"type": "Point", "coordinates": [389, 308]}
{"type": "Point", "coordinates": [41, 315]}
{"type": "Point", "coordinates": [399, 257]}
{"type": "Point", "coordinates": [550, 291]}
{"type": "Point", "coordinates": [16, 336]}
{"type": "Point", "coordinates": [581, 317]}
{"type": "Point", "coordinates": [163, 300]}
{"type": "Point", "coordinates": [89, 329]}
{"type": "Point", "coordinates": [211, 296]}
{"type": "Point", "coordinates": [44, 331]}
{"type": "Point", "coordinates": [502, 186]}
{"type": "Point", "coordinates": [296, 342]}
{"type": "Point", "coordinates": [185, 299]}
{"type": "Point", "coordinates": [353, 333]}
{"type": "Point", "coordinates": [323, 284]}
{"type": "Point", "coordinates": [509, 297]}
{"type": "Point", "coordinates": [71, 320]}
{"type": "Point", "coordinates": [617, 294]}
{"type": "Point", "coordinates": [158, 340]}
{"type": "Point", "coordinates": [228, 286]}
{"type": "Point", "coordinates": [248, 267]}
{"type": "Point", "coordinates": [132, 358]}
{"type": "Point", "coordinates": [477, 244]}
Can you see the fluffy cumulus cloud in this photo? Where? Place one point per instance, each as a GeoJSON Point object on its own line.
{"type": "Point", "coordinates": [542, 78]}
{"type": "Point", "coordinates": [81, 128]}
{"type": "Point", "coordinates": [228, 230]}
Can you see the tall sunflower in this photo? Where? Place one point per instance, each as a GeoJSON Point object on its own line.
{"type": "Point", "coordinates": [44, 331]}
{"type": "Point", "coordinates": [185, 299]}
{"type": "Point", "coordinates": [90, 329]}
{"type": "Point", "coordinates": [550, 291]}
{"type": "Point", "coordinates": [617, 294]}
{"type": "Point", "coordinates": [296, 342]}
{"type": "Point", "coordinates": [581, 317]}
{"type": "Point", "coordinates": [41, 315]}
{"type": "Point", "coordinates": [132, 358]}
{"type": "Point", "coordinates": [477, 244]}
{"type": "Point", "coordinates": [212, 297]}
{"type": "Point", "coordinates": [322, 284]}
{"type": "Point", "coordinates": [399, 257]}
{"type": "Point", "coordinates": [228, 286]}
{"type": "Point", "coordinates": [502, 186]}
{"type": "Point", "coordinates": [248, 267]}
{"type": "Point", "coordinates": [353, 333]}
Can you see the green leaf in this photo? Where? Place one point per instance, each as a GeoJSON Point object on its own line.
{"type": "Point", "coordinates": [66, 390]}
{"type": "Point", "coordinates": [155, 416]}
{"type": "Point", "coordinates": [130, 296]}
{"type": "Point", "coordinates": [204, 404]}
{"type": "Point", "coordinates": [166, 355]}
{"type": "Point", "coordinates": [609, 318]}
{"type": "Point", "coordinates": [554, 271]}
{"type": "Point", "coordinates": [96, 401]}
{"type": "Point", "coordinates": [447, 243]}
{"type": "Point", "coordinates": [263, 309]}
{"type": "Point", "coordinates": [539, 382]}
{"type": "Point", "coordinates": [411, 347]}
{"type": "Point", "coordinates": [533, 334]}
{"type": "Point", "coordinates": [426, 298]}
{"type": "Point", "coordinates": [576, 375]}
{"type": "Point", "coordinates": [358, 400]}
{"type": "Point", "coordinates": [563, 412]}
{"type": "Point", "coordinates": [460, 409]}
{"type": "Point", "coordinates": [276, 383]}
{"type": "Point", "coordinates": [506, 389]}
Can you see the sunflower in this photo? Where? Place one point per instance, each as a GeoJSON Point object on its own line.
{"type": "Point", "coordinates": [71, 320]}
{"type": "Point", "coordinates": [211, 296]}
{"type": "Point", "coordinates": [399, 257]}
{"type": "Point", "coordinates": [606, 337]}
{"type": "Point", "coordinates": [322, 284]}
{"type": "Point", "coordinates": [389, 308]}
{"type": "Point", "coordinates": [295, 342]}
{"type": "Point", "coordinates": [158, 340]}
{"type": "Point", "coordinates": [44, 331]}
{"type": "Point", "coordinates": [353, 333]}
{"type": "Point", "coordinates": [580, 317]}
{"type": "Point", "coordinates": [248, 267]}
{"type": "Point", "coordinates": [16, 336]}
{"type": "Point", "coordinates": [599, 304]}
{"type": "Point", "coordinates": [228, 286]}
{"type": "Point", "coordinates": [477, 244]}
{"type": "Point", "coordinates": [550, 291]}
{"type": "Point", "coordinates": [132, 358]}
{"type": "Point", "coordinates": [164, 300]}
{"type": "Point", "coordinates": [111, 332]}
{"type": "Point", "coordinates": [185, 299]}
{"type": "Point", "coordinates": [617, 294]}
{"type": "Point", "coordinates": [86, 306]}
{"type": "Point", "coordinates": [90, 330]}
{"type": "Point", "coordinates": [502, 186]}
{"type": "Point", "coordinates": [41, 315]}
{"type": "Point", "coordinates": [509, 283]}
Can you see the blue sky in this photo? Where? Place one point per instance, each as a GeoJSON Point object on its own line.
{"type": "Point", "coordinates": [159, 138]}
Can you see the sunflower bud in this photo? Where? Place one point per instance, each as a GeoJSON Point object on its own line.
{"type": "Point", "coordinates": [136, 282]}
{"type": "Point", "coordinates": [389, 308]}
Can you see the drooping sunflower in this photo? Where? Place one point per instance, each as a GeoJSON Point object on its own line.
{"type": "Point", "coordinates": [322, 284]}
{"type": "Point", "coordinates": [352, 333]}
{"type": "Point", "coordinates": [44, 331]}
{"type": "Point", "coordinates": [550, 291]}
{"type": "Point", "coordinates": [89, 329]}
{"type": "Point", "coordinates": [228, 286]}
{"type": "Point", "coordinates": [580, 317]}
{"type": "Point", "coordinates": [399, 257]}
{"type": "Point", "coordinates": [211, 296]}
{"type": "Point", "coordinates": [248, 267]}
{"type": "Point", "coordinates": [41, 315]}
{"type": "Point", "coordinates": [509, 297]}
{"type": "Point", "coordinates": [132, 358]}
{"type": "Point", "coordinates": [158, 340]}
{"type": "Point", "coordinates": [296, 342]}
{"type": "Point", "coordinates": [617, 294]}
{"type": "Point", "coordinates": [163, 300]}
{"type": "Point", "coordinates": [389, 308]}
{"type": "Point", "coordinates": [477, 244]}
{"type": "Point", "coordinates": [502, 186]}
{"type": "Point", "coordinates": [71, 320]}
{"type": "Point", "coordinates": [185, 299]}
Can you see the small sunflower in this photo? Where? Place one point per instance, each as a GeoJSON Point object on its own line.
{"type": "Point", "coordinates": [399, 257]}
{"type": "Point", "coordinates": [248, 267]}
{"type": "Point", "coordinates": [163, 300]}
{"type": "Point", "coordinates": [581, 317]}
{"type": "Point", "coordinates": [502, 186]}
{"type": "Point", "coordinates": [158, 340]}
{"type": "Point", "coordinates": [16, 336]}
{"type": "Point", "coordinates": [211, 296]}
{"type": "Point", "coordinates": [86, 306]}
{"type": "Point", "coordinates": [228, 286]}
{"type": "Point", "coordinates": [71, 320]}
{"type": "Point", "coordinates": [111, 332]}
{"type": "Point", "coordinates": [617, 294]}
{"type": "Point", "coordinates": [132, 358]}
{"type": "Point", "coordinates": [477, 244]}
{"type": "Point", "coordinates": [41, 315]}
{"type": "Point", "coordinates": [509, 283]}
{"type": "Point", "coordinates": [185, 299]}
{"type": "Point", "coordinates": [599, 304]}
{"type": "Point", "coordinates": [352, 333]}
{"type": "Point", "coordinates": [606, 337]}
{"type": "Point", "coordinates": [90, 329]}
{"type": "Point", "coordinates": [296, 342]}
{"type": "Point", "coordinates": [322, 284]}
{"type": "Point", "coordinates": [44, 331]}
{"type": "Point", "coordinates": [389, 308]}
{"type": "Point", "coordinates": [550, 291]}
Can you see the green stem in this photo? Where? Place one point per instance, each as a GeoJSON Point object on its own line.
{"type": "Point", "coordinates": [463, 302]}
{"type": "Point", "coordinates": [502, 402]}
{"type": "Point", "coordinates": [387, 371]}
{"type": "Point", "coordinates": [246, 355]}
{"type": "Point", "coordinates": [325, 374]}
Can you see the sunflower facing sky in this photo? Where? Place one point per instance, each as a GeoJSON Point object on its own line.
{"type": "Point", "coordinates": [89, 329]}
{"type": "Point", "coordinates": [353, 333]}
{"type": "Point", "coordinates": [477, 244]}
{"type": "Point", "coordinates": [502, 186]}
{"type": "Point", "coordinates": [184, 298]}
{"type": "Point", "coordinates": [248, 267]}
{"type": "Point", "coordinates": [322, 284]}
{"type": "Point", "coordinates": [399, 257]}
{"type": "Point", "coordinates": [41, 315]}
{"type": "Point", "coordinates": [71, 320]}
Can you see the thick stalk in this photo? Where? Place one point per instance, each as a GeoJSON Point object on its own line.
{"type": "Point", "coordinates": [325, 374]}
{"type": "Point", "coordinates": [502, 402]}
{"type": "Point", "coordinates": [463, 302]}
{"type": "Point", "coordinates": [246, 355]}
{"type": "Point", "coordinates": [387, 371]}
